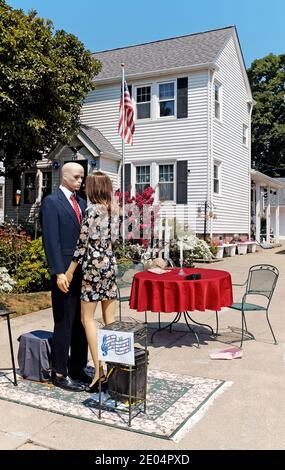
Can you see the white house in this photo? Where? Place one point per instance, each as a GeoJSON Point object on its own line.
{"type": "Point", "coordinates": [193, 104]}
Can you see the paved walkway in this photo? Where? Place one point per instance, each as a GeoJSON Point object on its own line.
{"type": "Point", "coordinates": [249, 415]}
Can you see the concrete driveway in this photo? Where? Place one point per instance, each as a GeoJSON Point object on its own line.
{"type": "Point", "coordinates": [248, 415]}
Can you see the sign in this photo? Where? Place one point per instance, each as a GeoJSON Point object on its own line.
{"type": "Point", "coordinates": [116, 346]}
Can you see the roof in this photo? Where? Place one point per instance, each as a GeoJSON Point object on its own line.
{"type": "Point", "coordinates": [265, 180]}
{"type": "Point", "coordinates": [95, 136]}
{"type": "Point", "coordinates": [182, 51]}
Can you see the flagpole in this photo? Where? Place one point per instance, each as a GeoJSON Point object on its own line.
{"type": "Point", "coordinates": [123, 153]}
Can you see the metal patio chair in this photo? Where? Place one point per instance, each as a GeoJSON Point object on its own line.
{"type": "Point", "coordinates": [6, 314]}
{"type": "Point", "coordinates": [261, 281]}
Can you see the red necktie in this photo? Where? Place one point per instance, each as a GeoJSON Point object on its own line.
{"type": "Point", "coordinates": [76, 207]}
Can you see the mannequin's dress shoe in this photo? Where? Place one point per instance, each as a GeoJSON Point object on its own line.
{"type": "Point", "coordinates": [81, 376]}
{"type": "Point", "coordinates": [67, 384]}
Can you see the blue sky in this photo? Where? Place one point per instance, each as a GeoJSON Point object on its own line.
{"type": "Point", "coordinates": [102, 25]}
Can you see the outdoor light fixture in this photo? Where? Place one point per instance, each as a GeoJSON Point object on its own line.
{"type": "Point", "coordinates": [18, 197]}
{"type": "Point", "coordinates": [56, 165]}
{"type": "Point", "coordinates": [93, 163]}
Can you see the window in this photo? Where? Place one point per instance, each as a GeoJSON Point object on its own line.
{"type": "Point", "coordinates": [30, 188]}
{"type": "Point", "coordinates": [142, 178]}
{"type": "Point", "coordinates": [143, 102]}
{"type": "Point", "coordinates": [217, 101]}
{"type": "Point", "coordinates": [217, 178]}
{"type": "Point", "coordinates": [1, 197]}
{"type": "Point", "coordinates": [46, 188]}
{"type": "Point", "coordinates": [245, 135]}
{"type": "Point", "coordinates": [166, 182]}
{"type": "Point", "coordinates": [166, 99]}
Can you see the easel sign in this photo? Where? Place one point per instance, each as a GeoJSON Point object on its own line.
{"type": "Point", "coordinates": [116, 346]}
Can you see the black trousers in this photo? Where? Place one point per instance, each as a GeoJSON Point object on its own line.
{"type": "Point", "coordinates": [69, 335]}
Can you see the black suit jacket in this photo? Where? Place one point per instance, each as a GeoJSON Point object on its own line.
{"type": "Point", "coordinates": [61, 230]}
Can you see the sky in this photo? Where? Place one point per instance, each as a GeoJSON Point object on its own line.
{"type": "Point", "coordinates": [109, 24]}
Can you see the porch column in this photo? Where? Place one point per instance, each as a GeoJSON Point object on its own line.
{"type": "Point", "coordinates": [257, 212]}
{"type": "Point", "coordinates": [267, 213]}
{"type": "Point", "coordinates": [39, 186]}
{"type": "Point", "coordinates": [277, 215]}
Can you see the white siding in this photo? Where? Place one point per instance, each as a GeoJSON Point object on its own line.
{"type": "Point", "coordinates": [232, 206]}
{"type": "Point", "coordinates": [111, 167]}
{"type": "Point", "coordinates": [159, 140]}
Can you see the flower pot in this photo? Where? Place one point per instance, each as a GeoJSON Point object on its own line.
{"type": "Point", "coordinates": [242, 248]}
{"type": "Point", "coordinates": [251, 247]}
{"type": "Point", "coordinates": [230, 249]}
{"type": "Point", "coordinates": [220, 252]}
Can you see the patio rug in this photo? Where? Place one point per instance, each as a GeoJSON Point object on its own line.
{"type": "Point", "coordinates": [174, 403]}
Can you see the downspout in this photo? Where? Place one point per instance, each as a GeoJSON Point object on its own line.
{"type": "Point", "coordinates": [251, 103]}
{"type": "Point", "coordinates": [210, 148]}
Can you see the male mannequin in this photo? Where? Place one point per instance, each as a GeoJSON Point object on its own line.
{"type": "Point", "coordinates": [60, 219]}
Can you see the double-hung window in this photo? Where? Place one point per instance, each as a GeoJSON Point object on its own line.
{"type": "Point", "coordinates": [142, 178]}
{"type": "Point", "coordinates": [166, 95]}
{"type": "Point", "coordinates": [245, 135]}
{"type": "Point", "coordinates": [143, 100]}
{"type": "Point", "coordinates": [166, 182]}
{"type": "Point", "coordinates": [218, 103]}
{"type": "Point", "coordinates": [30, 188]}
{"type": "Point", "coordinates": [217, 178]}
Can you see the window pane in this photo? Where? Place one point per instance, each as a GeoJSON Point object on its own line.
{"type": "Point", "coordinates": [166, 173]}
{"type": "Point", "coordinates": [143, 111]}
{"type": "Point", "coordinates": [46, 188]}
{"type": "Point", "coordinates": [30, 188]}
{"type": "Point", "coordinates": [217, 110]}
{"type": "Point", "coordinates": [143, 174]}
{"type": "Point", "coordinates": [143, 94]}
{"type": "Point", "coordinates": [166, 108]}
{"type": "Point", "coordinates": [216, 173]}
{"type": "Point", "coordinates": [166, 191]}
{"type": "Point", "coordinates": [216, 186]}
{"type": "Point", "coordinates": [141, 187]}
{"type": "Point", "coordinates": [217, 92]}
{"type": "Point", "coordinates": [166, 91]}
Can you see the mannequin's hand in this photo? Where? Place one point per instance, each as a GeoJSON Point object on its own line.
{"type": "Point", "coordinates": [62, 282]}
{"type": "Point", "coordinates": [69, 276]}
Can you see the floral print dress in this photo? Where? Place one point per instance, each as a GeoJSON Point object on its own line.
{"type": "Point", "coordinates": [94, 252]}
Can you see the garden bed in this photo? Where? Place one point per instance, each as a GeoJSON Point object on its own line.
{"type": "Point", "coordinates": [26, 303]}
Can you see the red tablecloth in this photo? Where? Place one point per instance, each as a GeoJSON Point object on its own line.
{"type": "Point", "coordinates": [170, 292]}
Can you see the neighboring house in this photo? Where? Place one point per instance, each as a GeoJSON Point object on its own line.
{"type": "Point", "coordinates": [267, 207]}
{"type": "Point", "coordinates": [88, 147]}
{"type": "Point", "coordinates": [193, 104]}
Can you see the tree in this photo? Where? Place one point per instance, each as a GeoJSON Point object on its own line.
{"type": "Point", "coordinates": [44, 76]}
{"type": "Point", "coordinates": [267, 79]}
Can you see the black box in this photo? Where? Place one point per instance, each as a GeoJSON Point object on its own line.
{"type": "Point", "coordinates": [118, 383]}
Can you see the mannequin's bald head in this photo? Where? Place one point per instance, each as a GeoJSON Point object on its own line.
{"type": "Point", "coordinates": [72, 174]}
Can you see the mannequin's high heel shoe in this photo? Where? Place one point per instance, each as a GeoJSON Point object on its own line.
{"type": "Point", "coordinates": [95, 387]}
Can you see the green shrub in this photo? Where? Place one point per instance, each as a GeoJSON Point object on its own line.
{"type": "Point", "coordinates": [32, 273]}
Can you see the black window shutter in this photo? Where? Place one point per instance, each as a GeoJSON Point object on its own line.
{"type": "Point", "coordinates": [130, 90]}
{"type": "Point", "coordinates": [127, 178]}
{"type": "Point", "coordinates": [182, 97]}
{"type": "Point", "coordinates": [181, 182]}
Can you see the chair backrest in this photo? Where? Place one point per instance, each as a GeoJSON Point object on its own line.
{"type": "Point", "coordinates": [262, 279]}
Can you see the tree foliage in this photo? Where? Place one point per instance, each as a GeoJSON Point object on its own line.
{"type": "Point", "coordinates": [44, 76]}
{"type": "Point", "coordinates": [267, 79]}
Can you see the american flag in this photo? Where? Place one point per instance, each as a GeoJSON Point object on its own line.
{"type": "Point", "coordinates": [129, 116]}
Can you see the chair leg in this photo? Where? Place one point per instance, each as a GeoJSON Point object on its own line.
{"type": "Point", "coordinates": [275, 342]}
{"type": "Point", "coordinates": [159, 323]}
{"type": "Point", "coordinates": [120, 310]}
{"type": "Point", "coordinates": [11, 350]}
{"type": "Point", "coordinates": [145, 316]}
{"type": "Point", "coordinates": [242, 327]}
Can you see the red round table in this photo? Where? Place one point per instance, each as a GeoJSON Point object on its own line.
{"type": "Point", "coordinates": [171, 292]}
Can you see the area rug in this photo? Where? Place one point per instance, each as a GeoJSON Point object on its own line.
{"type": "Point", "coordinates": [174, 403]}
